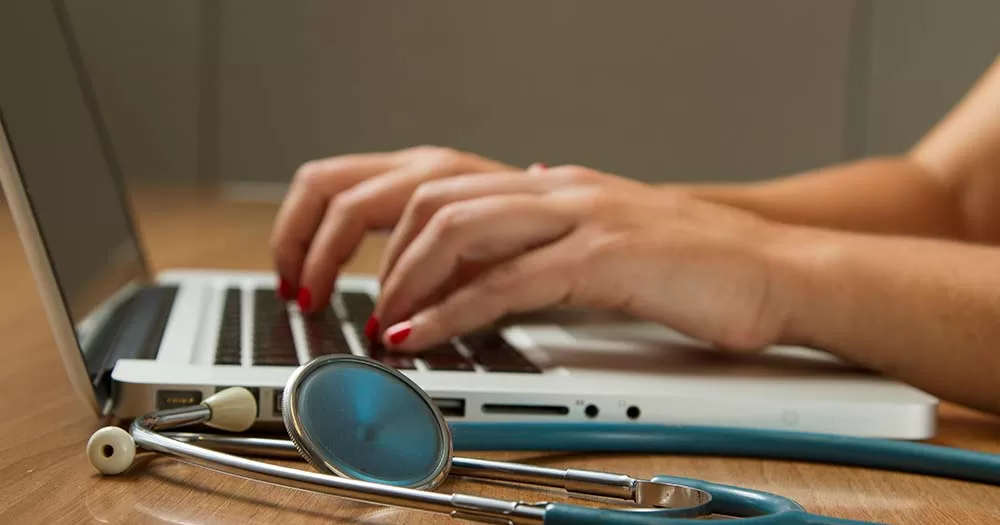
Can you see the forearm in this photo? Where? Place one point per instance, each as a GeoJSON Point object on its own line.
{"type": "Point", "coordinates": [924, 311]}
{"type": "Point", "coordinates": [885, 195]}
{"type": "Point", "coordinates": [947, 185]}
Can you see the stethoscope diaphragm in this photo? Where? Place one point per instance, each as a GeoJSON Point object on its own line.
{"type": "Point", "coordinates": [357, 418]}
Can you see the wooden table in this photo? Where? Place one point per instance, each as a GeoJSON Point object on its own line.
{"type": "Point", "coordinates": [46, 477]}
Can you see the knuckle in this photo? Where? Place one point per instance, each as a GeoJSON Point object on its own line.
{"type": "Point", "coordinates": [578, 174]}
{"type": "Point", "coordinates": [426, 200]}
{"type": "Point", "coordinates": [346, 204]}
{"type": "Point", "coordinates": [450, 218]}
{"type": "Point", "coordinates": [309, 175]}
{"type": "Point", "coordinates": [606, 245]}
{"type": "Point", "coordinates": [591, 199]}
{"type": "Point", "coordinates": [442, 158]}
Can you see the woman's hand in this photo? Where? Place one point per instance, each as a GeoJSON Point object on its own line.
{"type": "Point", "coordinates": [576, 237]}
{"type": "Point", "coordinates": [333, 202]}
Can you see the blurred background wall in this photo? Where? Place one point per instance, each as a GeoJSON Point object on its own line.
{"type": "Point", "coordinates": [240, 92]}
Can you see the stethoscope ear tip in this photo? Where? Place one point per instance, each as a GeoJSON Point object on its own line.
{"type": "Point", "coordinates": [233, 409]}
{"type": "Point", "coordinates": [111, 450]}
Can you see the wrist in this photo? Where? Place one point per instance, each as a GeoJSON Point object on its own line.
{"type": "Point", "coordinates": [807, 289]}
{"type": "Point", "coordinates": [728, 194]}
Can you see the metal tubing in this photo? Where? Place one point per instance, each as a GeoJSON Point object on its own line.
{"type": "Point", "coordinates": [578, 481]}
{"type": "Point", "coordinates": [177, 417]}
{"type": "Point", "coordinates": [642, 492]}
{"type": "Point", "coordinates": [457, 505]}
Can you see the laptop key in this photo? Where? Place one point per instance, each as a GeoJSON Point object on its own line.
{"type": "Point", "coordinates": [227, 350]}
{"type": "Point", "coordinates": [446, 357]}
{"type": "Point", "coordinates": [359, 307]}
{"type": "Point", "coordinates": [325, 335]}
{"type": "Point", "coordinates": [274, 344]}
{"type": "Point", "coordinates": [395, 360]}
{"type": "Point", "coordinates": [495, 354]}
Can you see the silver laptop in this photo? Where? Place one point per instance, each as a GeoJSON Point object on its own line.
{"type": "Point", "coordinates": [133, 342]}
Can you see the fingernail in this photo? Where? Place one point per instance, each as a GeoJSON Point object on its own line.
{"type": "Point", "coordinates": [285, 290]}
{"type": "Point", "coordinates": [305, 299]}
{"type": "Point", "coordinates": [399, 332]}
{"type": "Point", "coordinates": [371, 328]}
{"type": "Point", "coordinates": [538, 166]}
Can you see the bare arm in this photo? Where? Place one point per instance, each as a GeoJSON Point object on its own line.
{"type": "Point", "coordinates": [926, 311]}
{"type": "Point", "coordinates": [947, 185]}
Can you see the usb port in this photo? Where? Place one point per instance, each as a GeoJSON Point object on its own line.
{"type": "Point", "coordinates": [276, 396]}
{"type": "Point", "coordinates": [166, 399]}
{"type": "Point", "coordinates": [450, 407]}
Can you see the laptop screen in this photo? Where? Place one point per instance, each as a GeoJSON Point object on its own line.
{"type": "Point", "coordinates": [64, 158]}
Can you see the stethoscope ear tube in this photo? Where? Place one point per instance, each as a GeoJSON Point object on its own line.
{"type": "Point", "coordinates": [560, 514]}
{"type": "Point", "coordinates": [900, 456]}
{"type": "Point", "coordinates": [754, 506]}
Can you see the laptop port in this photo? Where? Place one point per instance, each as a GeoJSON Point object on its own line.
{"type": "Point", "coordinates": [276, 403]}
{"type": "Point", "coordinates": [526, 410]}
{"type": "Point", "coordinates": [166, 399]}
{"type": "Point", "coordinates": [253, 390]}
{"type": "Point", "coordinates": [450, 407]}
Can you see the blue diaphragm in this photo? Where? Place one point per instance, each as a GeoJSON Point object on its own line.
{"type": "Point", "coordinates": [357, 418]}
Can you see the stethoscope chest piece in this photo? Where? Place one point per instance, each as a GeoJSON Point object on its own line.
{"type": "Point", "coordinates": [357, 418]}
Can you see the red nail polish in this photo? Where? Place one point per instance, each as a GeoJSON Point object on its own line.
{"type": "Point", "coordinates": [399, 332]}
{"type": "Point", "coordinates": [305, 299]}
{"type": "Point", "coordinates": [285, 290]}
{"type": "Point", "coordinates": [371, 328]}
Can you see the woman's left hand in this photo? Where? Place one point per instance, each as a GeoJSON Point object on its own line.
{"type": "Point", "coordinates": [570, 236]}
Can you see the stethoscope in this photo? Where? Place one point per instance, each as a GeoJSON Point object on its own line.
{"type": "Point", "coordinates": [374, 436]}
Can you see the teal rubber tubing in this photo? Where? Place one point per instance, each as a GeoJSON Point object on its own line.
{"type": "Point", "coordinates": [901, 456]}
{"type": "Point", "coordinates": [562, 514]}
{"type": "Point", "coordinates": [749, 506]}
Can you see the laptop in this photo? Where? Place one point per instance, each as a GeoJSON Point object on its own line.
{"type": "Point", "coordinates": [132, 341]}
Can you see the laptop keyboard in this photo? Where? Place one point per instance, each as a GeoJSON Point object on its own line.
{"type": "Point", "coordinates": [325, 334]}
{"type": "Point", "coordinates": [274, 345]}
{"type": "Point", "coordinates": [494, 354]}
{"type": "Point", "coordinates": [227, 351]}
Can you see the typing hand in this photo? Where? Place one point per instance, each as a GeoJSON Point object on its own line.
{"type": "Point", "coordinates": [333, 202]}
{"type": "Point", "coordinates": [576, 237]}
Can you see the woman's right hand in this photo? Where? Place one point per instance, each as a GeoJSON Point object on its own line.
{"type": "Point", "coordinates": [333, 202]}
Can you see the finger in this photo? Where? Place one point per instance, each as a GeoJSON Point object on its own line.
{"type": "Point", "coordinates": [464, 273]}
{"type": "Point", "coordinates": [302, 210]}
{"type": "Point", "coordinates": [535, 280]}
{"type": "Point", "coordinates": [375, 203]}
{"type": "Point", "coordinates": [484, 229]}
{"type": "Point", "coordinates": [431, 196]}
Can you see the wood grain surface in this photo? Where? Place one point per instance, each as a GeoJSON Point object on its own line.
{"type": "Point", "coordinates": [45, 476]}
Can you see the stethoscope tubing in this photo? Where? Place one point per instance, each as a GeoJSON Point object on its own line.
{"type": "Point", "coordinates": [751, 506]}
{"type": "Point", "coordinates": [756, 507]}
{"type": "Point", "coordinates": [352, 489]}
{"type": "Point", "coordinates": [883, 454]}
